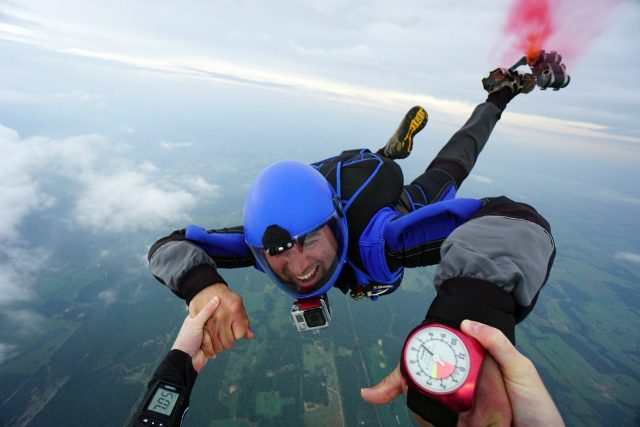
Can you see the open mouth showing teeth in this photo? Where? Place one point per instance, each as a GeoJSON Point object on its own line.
{"type": "Point", "coordinates": [309, 275]}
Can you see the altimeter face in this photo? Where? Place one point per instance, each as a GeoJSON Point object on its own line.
{"type": "Point", "coordinates": [436, 359]}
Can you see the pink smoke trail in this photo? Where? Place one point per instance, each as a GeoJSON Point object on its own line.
{"type": "Point", "coordinates": [567, 26]}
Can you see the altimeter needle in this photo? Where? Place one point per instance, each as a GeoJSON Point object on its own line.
{"type": "Point", "coordinates": [435, 357]}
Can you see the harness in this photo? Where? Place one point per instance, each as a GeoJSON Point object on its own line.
{"type": "Point", "coordinates": [365, 183]}
{"type": "Point", "coordinates": [386, 227]}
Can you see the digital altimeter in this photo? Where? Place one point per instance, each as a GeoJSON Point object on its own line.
{"type": "Point", "coordinates": [163, 406]}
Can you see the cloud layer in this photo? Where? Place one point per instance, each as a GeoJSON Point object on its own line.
{"type": "Point", "coordinates": [377, 55]}
{"type": "Point", "coordinates": [107, 191]}
{"type": "Point", "coordinates": [88, 179]}
{"type": "Point", "coordinates": [129, 200]}
{"type": "Point", "coordinates": [628, 256]}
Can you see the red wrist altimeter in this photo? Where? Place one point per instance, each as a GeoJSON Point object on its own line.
{"type": "Point", "coordinates": [442, 363]}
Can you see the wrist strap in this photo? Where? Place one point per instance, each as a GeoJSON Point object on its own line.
{"type": "Point", "coordinates": [430, 410]}
{"type": "Point", "coordinates": [176, 368]}
{"type": "Point", "coordinates": [475, 299]}
{"type": "Point", "coordinates": [501, 98]}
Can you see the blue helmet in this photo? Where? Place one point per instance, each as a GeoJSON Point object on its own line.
{"type": "Point", "coordinates": [294, 225]}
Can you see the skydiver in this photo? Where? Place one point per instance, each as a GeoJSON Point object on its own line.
{"type": "Point", "coordinates": [349, 222]}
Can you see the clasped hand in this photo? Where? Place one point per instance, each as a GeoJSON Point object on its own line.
{"type": "Point", "coordinates": [228, 324]}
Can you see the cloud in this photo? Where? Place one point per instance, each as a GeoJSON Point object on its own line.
{"type": "Point", "coordinates": [628, 256]}
{"type": "Point", "coordinates": [347, 92]}
{"type": "Point", "coordinates": [89, 180]}
{"type": "Point", "coordinates": [147, 166]}
{"type": "Point", "coordinates": [126, 129]}
{"type": "Point", "coordinates": [7, 351]}
{"type": "Point", "coordinates": [26, 165]}
{"type": "Point", "coordinates": [168, 145]}
{"type": "Point", "coordinates": [128, 200]}
{"type": "Point", "coordinates": [11, 97]}
{"type": "Point", "coordinates": [23, 166]}
{"type": "Point", "coordinates": [109, 297]}
{"type": "Point", "coordinates": [76, 97]}
{"type": "Point", "coordinates": [19, 192]}
{"type": "Point", "coordinates": [324, 56]}
{"type": "Point", "coordinates": [199, 184]}
{"type": "Point", "coordinates": [25, 321]}
{"type": "Point", "coordinates": [356, 53]}
{"type": "Point", "coordinates": [111, 193]}
{"type": "Point", "coordinates": [19, 267]}
{"type": "Point", "coordinates": [616, 196]}
{"type": "Point", "coordinates": [481, 179]}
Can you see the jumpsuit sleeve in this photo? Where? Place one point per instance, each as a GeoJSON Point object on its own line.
{"type": "Point", "coordinates": [186, 266]}
{"type": "Point", "coordinates": [176, 368]}
{"type": "Point", "coordinates": [493, 267]}
{"type": "Point", "coordinates": [414, 239]}
{"type": "Point", "coordinates": [392, 242]}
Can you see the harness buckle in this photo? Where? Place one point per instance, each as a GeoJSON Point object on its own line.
{"type": "Point", "coordinates": [359, 291]}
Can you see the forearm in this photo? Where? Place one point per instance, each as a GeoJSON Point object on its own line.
{"type": "Point", "coordinates": [175, 368]}
{"type": "Point", "coordinates": [174, 378]}
{"type": "Point", "coordinates": [182, 266]}
{"type": "Point", "coordinates": [187, 260]}
{"type": "Point", "coordinates": [494, 266]}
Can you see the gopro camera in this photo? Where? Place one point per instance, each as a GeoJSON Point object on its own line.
{"type": "Point", "coordinates": [311, 314]}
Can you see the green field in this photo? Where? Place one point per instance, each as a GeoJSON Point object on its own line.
{"type": "Point", "coordinates": [582, 336]}
{"type": "Point", "coordinates": [39, 348]}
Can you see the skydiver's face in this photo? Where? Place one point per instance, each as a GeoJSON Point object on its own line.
{"type": "Point", "coordinates": [306, 264]}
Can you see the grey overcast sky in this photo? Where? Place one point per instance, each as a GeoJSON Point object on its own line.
{"type": "Point", "coordinates": [65, 64]}
{"type": "Point", "coordinates": [372, 51]}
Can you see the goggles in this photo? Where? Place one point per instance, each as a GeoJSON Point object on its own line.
{"type": "Point", "coordinates": [306, 265]}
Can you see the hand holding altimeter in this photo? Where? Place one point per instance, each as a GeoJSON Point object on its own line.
{"type": "Point", "coordinates": [532, 405]}
{"type": "Point", "coordinates": [491, 405]}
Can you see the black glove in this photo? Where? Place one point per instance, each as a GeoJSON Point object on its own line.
{"type": "Point", "coordinates": [475, 299]}
{"type": "Point", "coordinates": [502, 85]}
{"type": "Point", "coordinates": [501, 98]}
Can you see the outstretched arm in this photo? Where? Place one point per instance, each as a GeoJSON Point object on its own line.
{"type": "Point", "coordinates": [179, 368]}
{"type": "Point", "coordinates": [187, 262]}
{"type": "Point", "coordinates": [182, 266]}
{"type": "Point", "coordinates": [491, 270]}
{"type": "Point", "coordinates": [459, 155]}
{"type": "Point", "coordinates": [494, 266]}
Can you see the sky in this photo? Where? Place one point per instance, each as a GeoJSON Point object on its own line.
{"type": "Point", "coordinates": [104, 104]}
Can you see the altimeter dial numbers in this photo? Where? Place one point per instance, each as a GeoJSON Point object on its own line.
{"type": "Point", "coordinates": [437, 360]}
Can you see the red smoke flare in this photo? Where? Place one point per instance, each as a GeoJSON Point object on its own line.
{"type": "Point", "coordinates": [531, 22]}
{"type": "Point", "coordinates": [567, 26]}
